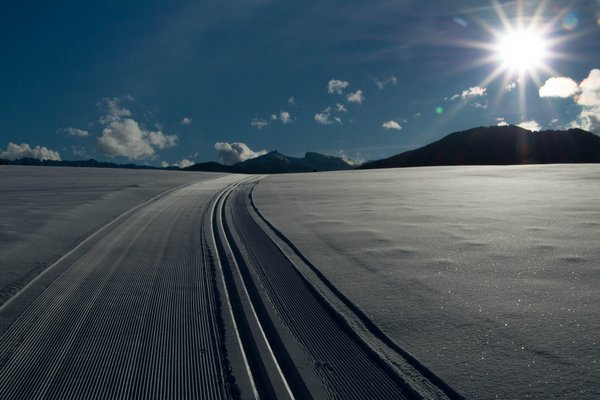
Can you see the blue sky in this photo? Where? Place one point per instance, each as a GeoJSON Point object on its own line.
{"type": "Point", "coordinates": [162, 82]}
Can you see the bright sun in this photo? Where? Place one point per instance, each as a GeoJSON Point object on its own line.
{"type": "Point", "coordinates": [520, 46]}
{"type": "Point", "coordinates": [521, 50]}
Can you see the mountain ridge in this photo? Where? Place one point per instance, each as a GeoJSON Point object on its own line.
{"type": "Point", "coordinates": [499, 145]}
{"type": "Point", "coordinates": [274, 162]}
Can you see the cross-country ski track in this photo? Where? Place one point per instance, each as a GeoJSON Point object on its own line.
{"type": "Point", "coordinates": [194, 294]}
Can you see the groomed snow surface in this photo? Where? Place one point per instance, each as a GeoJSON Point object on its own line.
{"type": "Point", "coordinates": [489, 276]}
{"type": "Point", "coordinates": [45, 211]}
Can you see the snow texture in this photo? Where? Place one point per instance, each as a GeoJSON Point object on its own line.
{"type": "Point", "coordinates": [47, 210]}
{"type": "Point", "coordinates": [487, 275]}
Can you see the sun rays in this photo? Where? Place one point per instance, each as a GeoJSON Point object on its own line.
{"type": "Point", "coordinates": [522, 45]}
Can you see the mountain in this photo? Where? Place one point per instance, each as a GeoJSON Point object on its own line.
{"type": "Point", "coordinates": [212, 166]}
{"type": "Point", "coordinates": [500, 145]}
{"type": "Point", "coordinates": [277, 163]}
{"type": "Point", "coordinates": [65, 163]}
{"type": "Point", "coordinates": [270, 163]}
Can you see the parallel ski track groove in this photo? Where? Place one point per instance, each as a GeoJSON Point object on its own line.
{"type": "Point", "coordinates": [141, 324]}
{"type": "Point", "coordinates": [348, 371]}
{"type": "Point", "coordinates": [261, 361]}
{"type": "Point", "coordinates": [370, 325]}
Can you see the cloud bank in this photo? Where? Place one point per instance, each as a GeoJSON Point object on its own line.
{"type": "Point", "coordinates": [231, 153]}
{"type": "Point", "coordinates": [15, 151]}
{"type": "Point", "coordinates": [124, 136]}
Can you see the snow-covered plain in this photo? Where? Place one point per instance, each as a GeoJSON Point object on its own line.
{"type": "Point", "coordinates": [45, 211]}
{"type": "Point", "coordinates": [489, 276]}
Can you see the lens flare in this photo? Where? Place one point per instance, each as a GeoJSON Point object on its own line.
{"type": "Point", "coordinates": [570, 22]}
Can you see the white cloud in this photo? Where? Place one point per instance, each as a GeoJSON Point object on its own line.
{"type": "Point", "coordinates": [559, 87]}
{"type": "Point", "coordinates": [259, 123]}
{"type": "Point", "coordinates": [354, 162]}
{"type": "Point", "coordinates": [15, 151]}
{"type": "Point", "coordinates": [468, 94]}
{"type": "Point", "coordinates": [501, 122]}
{"type": "Point", "coordinates": [185, 163]}
{"type": "Point", "coordinates": [292, 101]}
{"type": "Point", "coordinates": [285, 117]}
{"type": "Point", "coordinates": [114, 109]}
{"type": "Point", "coordinates": [231, 153]}
{"type": "Point", "coordinates": [75, 132]}
{"type": "Point", "coordinates": [162, 141]}
{"type": "Point", "coordinates": [475, 91]}
{"type": "Point", "coordinates": [186, 121]}
{"type": "Point", "coordinates": [340, 108]}
{"type": "Point", "coordinates": [483, 106]}
{"type": "Point", "coordinates": [123, 136]}
{"type": "Point", "coordinates": [391, 125]}
{"type": "Point", "coordinates": [181, 164]}
{"type": "Point", "coordinates": [336, 86]}
{"type": "Point", "coordinates": [532, 125]}
{"type": "Point", "coordinates": [586, 95]}
{"type": "Point", "coordinates": [590, 90]}
{"type": "Point", "coordinates": [356, 97]}
{"type": "Point", "coordinates": [392, 80]}
{"type": "Point", "coordinates": [588, 119]}
{"type": "Point", "coordinates": [510, 86]}
{"type": "Point", "coordinates": [324, 118]}
{"type": "Point", "coordinates": [589, 100]}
